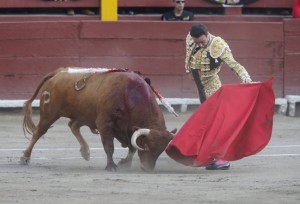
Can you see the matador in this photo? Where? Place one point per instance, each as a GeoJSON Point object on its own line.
{"type": "Point", "coordinates": [205, 54]}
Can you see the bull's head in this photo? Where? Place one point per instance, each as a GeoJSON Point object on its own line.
{"type": "Point", "coordinates": [151, 145]}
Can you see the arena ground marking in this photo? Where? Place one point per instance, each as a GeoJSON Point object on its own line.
{"type": "Point", "coordinates": [99, 157]}
{"type": "Point", "coordinates": [125, 149]}
{"type": "Point", "coordinates": [276, 155]}
{"type": "Point", "coordinates": [119, 157]}
{"type": "Point", "coordinates": [119, 148]}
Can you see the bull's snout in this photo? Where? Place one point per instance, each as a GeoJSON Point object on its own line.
{"type": "Point", "coordinates": [147, 168]}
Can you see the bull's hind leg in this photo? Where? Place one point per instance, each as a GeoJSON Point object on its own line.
{"type": "Point", "coordinates": [40, 130]}
{"type": "Point", "coordinates": [84, 147]}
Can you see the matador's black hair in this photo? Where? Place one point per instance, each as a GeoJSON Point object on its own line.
{"type": "Point", "coordinates": [198, 30]}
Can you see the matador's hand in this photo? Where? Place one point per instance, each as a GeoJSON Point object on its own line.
{"type": "Point", "coordinates": [247, 80]}
{"type": "Point", "coordinates": [187, 70]}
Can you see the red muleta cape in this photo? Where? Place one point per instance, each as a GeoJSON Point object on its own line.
{"type": "Point", "coordinates": [235, 122]}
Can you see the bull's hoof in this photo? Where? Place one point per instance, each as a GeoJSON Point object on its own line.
{"type": "Point", "coordinates": [111, 167]}
{"type": "Point", "coordinates": [95, 131]}
{"type": "Point", "coordinates": [124, 164]}
{"type": "Point", "coordinates": [85, 153]}
{"type": "Point", "coordinates": [24, 160]}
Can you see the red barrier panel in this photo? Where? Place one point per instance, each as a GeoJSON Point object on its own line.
{"type": "Point", "coordinates": [292, 55]}
{"type": "Point", "coordinates": [31, 49]}
{"type": "Point", "coordinates": [134, 3]}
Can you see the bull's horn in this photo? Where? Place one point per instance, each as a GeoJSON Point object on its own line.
{"type": "Point", "coordinates": [137, 134]}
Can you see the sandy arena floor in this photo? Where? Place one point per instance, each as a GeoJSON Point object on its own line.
{"type": "Point", "coordinates": [58, 174]}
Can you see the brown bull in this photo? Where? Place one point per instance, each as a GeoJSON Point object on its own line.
{"type": "Point", "coordinates": [118, 105]}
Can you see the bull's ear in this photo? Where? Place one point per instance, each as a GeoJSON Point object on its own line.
{"type": "Point", "coordinates": [148, 81]}
{"type": "Point", "coordinates": [173, 131]}
{"type": "Point", "coordinates": [134, 128]}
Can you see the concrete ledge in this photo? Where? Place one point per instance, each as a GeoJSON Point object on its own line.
{"type": "Point", "coordinates": [182, 102]}
{"type": "Point", "coordinates": [293, 103]}
{"type": "Point", "coordinates": [281, 106]}
{"type": "Point", "coordinates": [17, 103]}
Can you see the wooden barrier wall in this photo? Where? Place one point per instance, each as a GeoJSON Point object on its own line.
{"type": "Point", "coordinates": [31, 46]}
{"type": "Point", "coordinates": [29, 50]}
{"type": "Point", "coordinates": [135, 3]}
{"type": "Point", "coordinates": [194, 5]}
{"type": "Point", "coordinates": [292, 57]}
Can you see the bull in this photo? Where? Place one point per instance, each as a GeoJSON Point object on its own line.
{"type": "Point", "coordinates": [115, 104]}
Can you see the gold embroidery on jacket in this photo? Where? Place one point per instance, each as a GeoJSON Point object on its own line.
{"type": "Point", "coordinates": [199, 60]}
{"type": "Point", "coordinates": [218, 49]}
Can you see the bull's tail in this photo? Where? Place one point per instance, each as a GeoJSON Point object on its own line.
{"type": "Point", "coordinates": [28, 124]}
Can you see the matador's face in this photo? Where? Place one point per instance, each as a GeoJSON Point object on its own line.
{"type": "Point", "coordinates": [201, 41]}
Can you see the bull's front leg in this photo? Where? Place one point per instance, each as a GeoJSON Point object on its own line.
{"type": "Point", "coordinates": [108, 145]}
{"type": "Point", "coordinates": [109, 150]}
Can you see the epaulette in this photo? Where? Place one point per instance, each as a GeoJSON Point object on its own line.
{"type": "Point", "coordinates": [217, 47]}
{"type": "Point", "coordinates": [189, 40]}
